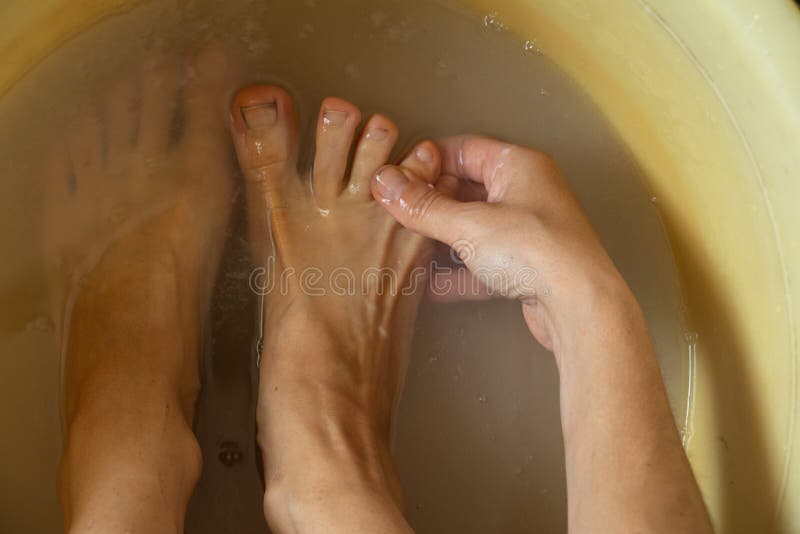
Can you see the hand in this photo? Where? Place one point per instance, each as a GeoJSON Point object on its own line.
{"type": "Point", "coordinates": [515, 224]}
{"type": "Point", "coordinates": [519, 230]}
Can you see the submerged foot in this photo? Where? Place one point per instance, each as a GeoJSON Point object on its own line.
{"type": "Point", "coordinates": [138, 203]}
{"type": "Point", "coordinates": [341, 281]}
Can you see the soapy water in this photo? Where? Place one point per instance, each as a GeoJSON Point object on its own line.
{"type": "Point", "coordinates": [478, 437]}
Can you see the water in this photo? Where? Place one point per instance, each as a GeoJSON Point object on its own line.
{"type": "Point", "coordinates": [479, 442]}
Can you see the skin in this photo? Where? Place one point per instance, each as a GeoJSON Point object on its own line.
{"type": "Point", "coordinates": [626, 469]}
{"type": "Point", "coordinates": [333, 361]}
{"type": "Point", "coordinates": [334, 356]}
{"type": "Point", "coordinates": [133, 309]}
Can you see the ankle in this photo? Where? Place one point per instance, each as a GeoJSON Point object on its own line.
{"type": "Point", "coordinates": [112, 461]}
{"type": "Point", "coordinates": [332, 489]}
{"type": "Point", "coordinates": [318, 459]}
{"type": "Point", "coordinates": [335, 508]}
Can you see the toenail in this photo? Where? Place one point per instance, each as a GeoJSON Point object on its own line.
{"type": "Point", "coordinates": [378, 134]}
{"type": "Point", "coordinates": [333, 117]}
{"type": "Point", "coordinates": [391, 183]}
{"type": "Point", "coordinates": [260, 115]}
{"type": "Point", "coordinates": [424, 155]}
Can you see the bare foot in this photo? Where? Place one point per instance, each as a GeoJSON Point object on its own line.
{"type": "Point", "coordinates": [136, 216]}
{"type": "Point", "coordinates": [342, 283]}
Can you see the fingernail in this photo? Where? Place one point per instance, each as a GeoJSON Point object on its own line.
{"type": "Point", "coordinates": [423, 154]}
{"type": "Point", "coordinates": [260, 115]}
{"type": "Point", "coordinates": [391, 183]}
{"type": "Point", "coordinates": [332, 117]}
{"type": "Point", "coordinates": [377, 134]}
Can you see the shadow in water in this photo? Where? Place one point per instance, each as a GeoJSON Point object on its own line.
{"type": "Point", "coordinates": [228, 497]}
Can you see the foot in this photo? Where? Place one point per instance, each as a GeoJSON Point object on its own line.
{"type": "Point", "coordinates": [342, 281]}
{"type": "Point", "coordinates": [136, 215]}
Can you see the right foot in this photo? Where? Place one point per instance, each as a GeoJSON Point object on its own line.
{"type": "Point", "coordinates": [136, 219]}
{"type": "Point", "coordinates": [335, 343]}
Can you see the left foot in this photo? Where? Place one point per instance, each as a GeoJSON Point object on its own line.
{"type": "Point", "coordinates": [136, 218]}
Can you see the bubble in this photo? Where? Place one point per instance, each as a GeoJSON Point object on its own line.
{"type": "Point", "coordinates": [305, 31]}
{"type": "Point", "coordinates": [691, 337]}
{"type": "Point", "coordinates": [531, 47]}
{"type": "Point", "coordinates": [352, 72]}
{"type": "Point", "coordinates": [544, 92]}
{"type": "Point", "coordinates": [260, 45]}
{"type": "Point", "coordinates": [117, 213]}
{"type": "Point", "coordinates": [230, 454]}
{"type": "Point", "coordinates": [492, 22]}
{"type": "Point", "coordinates": [42, 323]}
{"type": "Point", "coordinates": [482, 399]}
{"type": "Point", "coordinates": [377, 18]}
{"type": "Point", "coordinates": [251, 26]}
{"type": "Point", "coordinates": [442, 68]}
{"type": "Point", "coordinates": [400, 33]}
{"type": "Point", "coordinates": [82, 281]}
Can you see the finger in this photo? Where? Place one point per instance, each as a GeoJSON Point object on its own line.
{"type": "Point", "coordinates": [507, 172]}
{"type": "Point", "coordinates": [419, 206]}
{"type": "Point", "coordinates": [472, 157]}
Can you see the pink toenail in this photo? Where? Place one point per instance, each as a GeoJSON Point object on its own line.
{"type": "Point", "coordinates": [391, 183]}
{"type": "Point", "coordinates": [378, 134]}
{"type": "Point", "coordinates": [334, 118]}
{"type": "Point", "coordinates": [260, 115]}
{"type": "Point", "coordinates": [425, 155]}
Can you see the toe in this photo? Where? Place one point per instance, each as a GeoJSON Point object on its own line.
{"type": "Point", "coordinates": [86, 147]}
{"type": "Point", "coordinates": [123, 118]}
{"type": "Point", "coordinates": [59, 180]}
{"type": "Point", "coordinates": [162, 82]}
{"type": "Point", "coordinates": [205, 102]}
{"type": "Point", "coordinates": [264, 129]}
{"type": "Point", "coordinates": [425, 161]}
{"type": "Point", "coordinates": [336, 127]}
{"type": "Point", "coordinates": [372, 152]}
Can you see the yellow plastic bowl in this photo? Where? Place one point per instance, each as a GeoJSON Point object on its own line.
{"type": "Point", "coordinates": [705, 93]}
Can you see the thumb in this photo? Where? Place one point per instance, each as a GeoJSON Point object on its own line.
{"type": "Point", "coordinates": [418, 205]}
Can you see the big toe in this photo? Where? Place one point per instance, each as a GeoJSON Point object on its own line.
{"type": "Point", "coordinates": [264, 129]}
